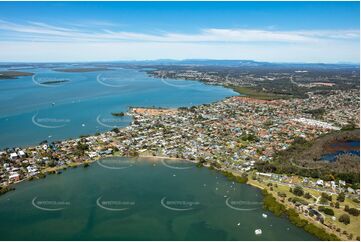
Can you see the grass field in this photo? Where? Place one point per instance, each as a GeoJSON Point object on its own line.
{"type": "Point", "coordinates": [250, 92]}
{"type": "Point", "coordinates": [352, 228]}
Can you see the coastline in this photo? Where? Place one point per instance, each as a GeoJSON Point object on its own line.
{"type": "Point", "coordinates": [221, 170]}
{"type": "Point", "coordinates": [53, 170]}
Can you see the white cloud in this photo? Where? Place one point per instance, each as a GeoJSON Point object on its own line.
{"type": "Point", "coordinates": [35, 30]}
{"type": "Point", "coordinates": [36, 41]}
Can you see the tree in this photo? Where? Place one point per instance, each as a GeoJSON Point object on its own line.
{"type": "Point", "coordinates": [281, 194]}
{"type": "Point", "coordinates": [323, 200]}
{"type": "Point", "coordinates": [326, 196]}
{"type": "Point", "coordinates": [307, 195]}
{"type": "Point", "coordinates": [327, 211]}
{"type": "Point", "coordinates": [353, 211]}
{"type": "Point", "coordinates": [337, 205]}
{"type": "Point", "coordinates": [341, 197]}
{"type": "Point", "coordinates": [298, 191]}
{"type": "Point", "coordinates": [344, 218]}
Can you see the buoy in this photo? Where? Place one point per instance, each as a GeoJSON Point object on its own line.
{"type": "Point", "coordinates": [258, 231]}
{"type": "Point", "coordinates": [264, 215]}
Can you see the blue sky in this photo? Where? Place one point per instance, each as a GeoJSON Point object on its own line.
{"type": "Point", "coordinates": [100, 31]}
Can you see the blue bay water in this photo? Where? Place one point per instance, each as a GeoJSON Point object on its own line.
{"type": "Point", "coordinates": [148, 191]}
{"type": "Point", "coordinates": [31, 113]}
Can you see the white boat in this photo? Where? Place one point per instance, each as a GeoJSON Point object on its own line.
{"type": "Point", "coordinates": [258, 231]}
{"type": "Point", "coordinates": [264, 215]}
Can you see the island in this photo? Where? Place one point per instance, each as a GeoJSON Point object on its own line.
{"type": "Point", "coordinates": [54, 82]}
{"type": "Point", "coordinates": [14, 74]}
{"type": "Point", "coordinates": [120, 114]}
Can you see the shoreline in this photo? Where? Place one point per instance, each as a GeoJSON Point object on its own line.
{"type": "Point", "coordinates": [52, 171]}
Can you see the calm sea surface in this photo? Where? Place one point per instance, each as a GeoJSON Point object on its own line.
{"type": "Point", "coordinates": [145, 200]}
{"type": "Point", "coordinates": [32, 110]}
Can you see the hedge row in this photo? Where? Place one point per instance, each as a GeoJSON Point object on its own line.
{"type": "Point", "coordinates": [270, 203]}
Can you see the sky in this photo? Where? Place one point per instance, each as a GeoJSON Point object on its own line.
{"type": "Point", "coordinates": [327, 32]}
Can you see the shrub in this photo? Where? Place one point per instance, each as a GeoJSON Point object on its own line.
{"type": "Point", "coordinates": [270, 203]}
{"type": "Point", "coordinates": [341, 197]}
{"type": "Point", "coordinates": [353, 211]}
{"type": "Point", "coordinates": [299, 200]}
{"type": "Point", "coordinates": [344, 218]}
{"type": "Point", "coordinates": [320, 233]}
{"type": "Point", "coordinates": [323, 200]}
{"type": "Point", "coordinates": [326, 196]}
{"type": "Point", "coordinates": [241, 179]}
{"type": "Point", "coordinates": [281, 194]}
{"type": "Point", "coordinates": [307, 195]}
{"type": "Point", "coordinates": [298, 191]}
{"type": "Point", "coordinates": [325, 210]}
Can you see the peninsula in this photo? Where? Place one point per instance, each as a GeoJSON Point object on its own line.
{"type": "Point", "coordinates": [240, 136]}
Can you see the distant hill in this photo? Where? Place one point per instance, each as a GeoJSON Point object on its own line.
{"type": "Point", "coordinates": [241, 63]}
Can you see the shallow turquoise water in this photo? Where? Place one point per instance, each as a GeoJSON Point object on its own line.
{"type": "Point", "coordinates": [160, 202]}
{"type": "Point", "coordinates": [72, 108]}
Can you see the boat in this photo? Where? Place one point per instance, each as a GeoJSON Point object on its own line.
{"type": "Point", "coordinates": [258, 231]}
{"type": "Point", "coordinates": [264, 215]}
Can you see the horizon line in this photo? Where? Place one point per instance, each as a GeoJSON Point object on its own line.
{"type": "Point", "coordinates": [191, 59]}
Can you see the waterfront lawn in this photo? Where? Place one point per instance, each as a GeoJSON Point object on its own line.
{"type": "Point", "coordinates": [250, 92]}
{"type": "Point", "coordinates": [352, 228]}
